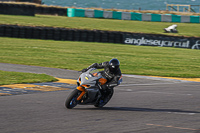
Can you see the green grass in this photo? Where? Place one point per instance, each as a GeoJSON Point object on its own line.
{"type": "Point", "coordinates": [18, 77]}
{"type": "Point", "coordinates": [139, 60]}
{"type": "Point", "coordinates": [185, 29]}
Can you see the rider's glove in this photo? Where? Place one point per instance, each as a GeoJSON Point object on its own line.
{"type": "Point", "coordinates": [84, 70]}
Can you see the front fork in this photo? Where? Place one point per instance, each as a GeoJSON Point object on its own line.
{"type": "Point", "coordinates": [82, 89]}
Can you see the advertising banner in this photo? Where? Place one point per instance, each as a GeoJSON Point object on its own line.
{"type": "Point", "coordinates": [161, 41]}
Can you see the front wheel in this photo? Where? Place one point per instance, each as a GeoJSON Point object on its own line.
{"type": "Point", "coordinates": [71, 101]}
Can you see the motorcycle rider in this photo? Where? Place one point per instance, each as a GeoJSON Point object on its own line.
{"type": "Point", "coordinates": [111, 72]}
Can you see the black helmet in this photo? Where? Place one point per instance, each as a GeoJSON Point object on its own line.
{"type": "Point", "coordinates": [114, 64]}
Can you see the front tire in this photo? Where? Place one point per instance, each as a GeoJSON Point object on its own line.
{"type": "Point", "coordinates": [71, 101]}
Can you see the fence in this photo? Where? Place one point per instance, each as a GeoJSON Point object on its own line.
{"type": "Point", "coordinates": [71, 12]}
{"type": "Point", "coordinates": [31, 10]}
{"type": "Point", "coordinates": [185, 8]}
{"type": "Point", "coordinates": [98, 36]}
{"type": "Point", "coordinates": [17, 9]}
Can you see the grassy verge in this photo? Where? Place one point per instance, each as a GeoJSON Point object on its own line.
{"type": "Point", "coordinates": [185, 29]}
{"type": "Point", "coordinates": [18, 77]}
{"type": "Point", "coordinates": [139, 60]}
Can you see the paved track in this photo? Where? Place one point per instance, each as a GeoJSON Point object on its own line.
{"type": "Point", "coordinates": [140, 104]}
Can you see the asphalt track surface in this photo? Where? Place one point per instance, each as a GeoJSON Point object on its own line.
{"type": "Point", "coordinates": [140, 105]}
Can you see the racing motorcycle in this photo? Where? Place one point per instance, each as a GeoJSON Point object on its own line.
{"type": "Point", "coordinates": [89, 90]}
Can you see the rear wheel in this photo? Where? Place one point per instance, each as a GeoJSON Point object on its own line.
{"type": "Point", "coordinates": [71, 101]}
{"type": "Point", "coordinates": [104, 99]}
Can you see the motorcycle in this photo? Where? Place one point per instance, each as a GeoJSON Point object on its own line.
{"type": "Point", "coordinates": [89, 90]}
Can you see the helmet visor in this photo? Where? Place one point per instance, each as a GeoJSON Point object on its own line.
{"type": "Point", "coordinates": [113, 68]}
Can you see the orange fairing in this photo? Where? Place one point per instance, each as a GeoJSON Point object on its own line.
{"type": "Point", "coordinates": [80, 88]}
{"type": "Point", "coordinates": [102, 81]}
{"type": "Point", "coordinates": [86, 86]}
{"type": "Point", "coordinates": [95, 74]}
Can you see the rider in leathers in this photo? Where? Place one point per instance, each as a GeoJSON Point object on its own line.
{"type": "Point", "coordinates": [111, 71]}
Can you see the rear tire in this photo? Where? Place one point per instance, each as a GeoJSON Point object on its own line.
{"type": "Point", "coordinates": [71, 101]}
{"type": "Point", "coordinates": [103, 101]}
